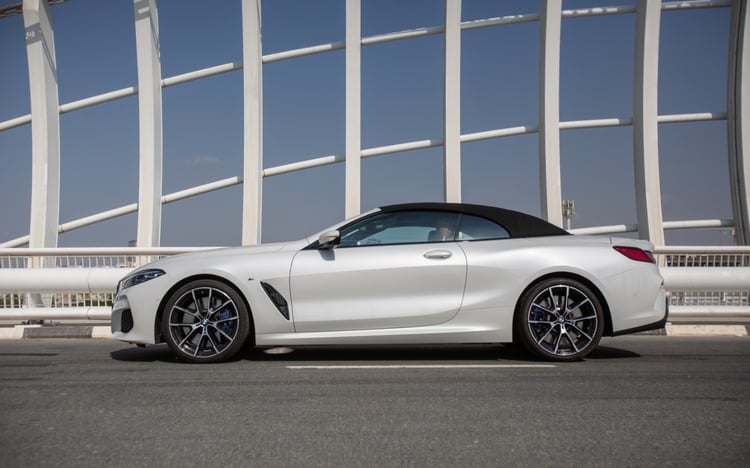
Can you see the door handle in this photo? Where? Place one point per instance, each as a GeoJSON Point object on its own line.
{"type": "Point", "coordinates": [439, 254]}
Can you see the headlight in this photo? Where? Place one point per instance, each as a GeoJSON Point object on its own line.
{"type": "Point", "coordinates": [138, 278]}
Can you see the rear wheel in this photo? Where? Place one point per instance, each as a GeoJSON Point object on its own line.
{"type": "Point", "coordinates": [205, 321]}
{"type": "Point", "coordinates": [560, 319]}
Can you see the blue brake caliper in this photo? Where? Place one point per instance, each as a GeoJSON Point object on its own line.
{"type": "Point", "coordinates": [537, 313]}
{"type": "Point", "coordinates": [226, 327]}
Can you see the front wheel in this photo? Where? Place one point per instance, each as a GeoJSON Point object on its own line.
{"type": "Point", "coordinates": [205, 321]}
{"type": "Point", "coordinates": [560, 319]}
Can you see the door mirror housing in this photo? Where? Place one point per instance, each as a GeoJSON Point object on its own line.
{"type": "Point", "coordinates": [329, 240]}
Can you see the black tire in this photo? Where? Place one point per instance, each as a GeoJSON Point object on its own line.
{"type": "Point", "coordinates": [205, 321]}
{"type": "Point", "coordinates": [559, 319]}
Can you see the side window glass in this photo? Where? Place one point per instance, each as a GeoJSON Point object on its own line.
{"type": "Point", "coordinates": [476, 228]}
{"type": "Point", "coordinates": [405, 227]}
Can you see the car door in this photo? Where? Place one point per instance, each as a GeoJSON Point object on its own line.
{"type": "Point", "coordinates": [389, 271]}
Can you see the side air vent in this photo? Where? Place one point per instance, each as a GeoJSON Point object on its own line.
{"type": "Point", "coordinates": [126, 321]}
{"type": "Point", "coordinates": [277, 299]}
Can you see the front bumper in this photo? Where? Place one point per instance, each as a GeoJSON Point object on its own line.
{"type": "Point", "coordinates": [134, 312]}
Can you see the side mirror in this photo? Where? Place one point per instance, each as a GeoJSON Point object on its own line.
{"type": "Point", "coordinates": [329, 240]}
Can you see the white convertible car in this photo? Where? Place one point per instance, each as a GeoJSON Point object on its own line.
{"type": "Point", "coordinates": [414, 273]}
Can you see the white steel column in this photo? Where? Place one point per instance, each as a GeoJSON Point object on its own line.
{"type": "Point", "coordinates": [252, 80]}
{"type": "Point", "coordinates": [550, 188]}
{"type": "Point", "coordinates": [150, 123]}
{"type": "Point", "coordinates": [738, 120]}
{"type": "Point", "coordinates": [45, 124]}
{"type": "Point", "coordinates": [452, 102]}
{"type": "Point", "coordinates": [645, 125]}
{"type": "Point", "coordinates": [353, 113]}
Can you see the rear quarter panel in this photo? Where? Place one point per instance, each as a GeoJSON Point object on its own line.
{"type": "Point", "coordinates": [500, 270]}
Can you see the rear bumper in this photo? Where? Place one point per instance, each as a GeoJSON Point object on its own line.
{"type": "Point", "coordinates": [658, 325]}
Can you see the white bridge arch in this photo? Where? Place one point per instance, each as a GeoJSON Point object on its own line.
{"type": "Point", "coordinates": [46, 109]}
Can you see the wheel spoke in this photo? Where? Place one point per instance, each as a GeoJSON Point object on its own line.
{"type": "Point", "coordinates": [186, 311]}
{"type": "Point", "coordinates": [181, 325]}
{"type": "Point", "coordinates": [224, 304]}
{"type": "Point", "coordinates": [539, 341]}
{"type": "Point", "coordinates": [571, 341]}
{"type": "Point", "coordinates": [557, 342]}
{"type": "Point", "coordinates": [197, 302]}
{"type": "Point", "coordinates": [223, 333]}
{"type": "Point", "coordinates": [230, 319]}
{"type": "Point", "coordinates": [566, 300]}
{"type": "Point", "coordinates": [213, 343]}
{"type": "Point", "coordinates": [545, 309]}
{"type": "Point", "coordinates": [579, 305]}
{"type": "Point", "coordinates": [187, 337]}
{"type": "Point", "coordinates": [553, 299]}
{"type": "Point", "coordinates": [580, 331]}
{"type": "Point", "coordinates": [198, 346]}
{"type": "Point", "coordinates": [581, 319]}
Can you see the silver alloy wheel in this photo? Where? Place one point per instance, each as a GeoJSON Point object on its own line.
{"type": "Point", "coordinates": [203, 322]}
{"type": "Point", "coordinates": [563, 321]}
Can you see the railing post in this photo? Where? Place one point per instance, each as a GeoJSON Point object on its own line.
{"type": "Point", "coordinates": [149, 123]}
{"type": "Point", "coordinates": [645, 125]}
{"type": "Point", "coordinates": [252, 76]}
{"type": "Point", "coordinates": [738, 120]}
{"type": "Point", "coordinates": [353, 115]}
{"type": "Point", "coordinates": [550, 187]}
{"type": "Point", "coordinates": [452, 102]}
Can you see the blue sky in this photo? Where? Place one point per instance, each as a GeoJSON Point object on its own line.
{"type": "Point", "coordinates": [401, 101]}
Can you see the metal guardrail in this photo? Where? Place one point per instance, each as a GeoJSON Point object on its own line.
{"type": "Point", "coordinates": [710, 284]}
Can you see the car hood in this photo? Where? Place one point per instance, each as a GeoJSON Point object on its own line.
{"type": "Point", "coordinates": [224, 252]}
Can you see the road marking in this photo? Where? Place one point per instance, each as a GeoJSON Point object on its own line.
{"type": "Point", "coordinates": [427, 366]}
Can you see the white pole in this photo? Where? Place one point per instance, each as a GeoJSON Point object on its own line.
{"type": "Point", "coordinates": [150, 123]}
{"type": "Point", "coordinates": [738, 120]}
{"type": "Point", "coordinates": [45, 133]}
{"type": "Point", "coordinates": [353, 113]}
{"type": "Point", "coordinates": [549, 111]}
{"type": "Point", "coordinates": [645, 124]}
{"type": "Point", "coordinates": [452, 102]}
{"type": "Point", "coordinates": [252, 187]}
{"type": "Point", "coordinates": [45, 124]}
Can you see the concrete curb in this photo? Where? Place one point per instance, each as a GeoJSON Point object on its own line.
{"type": "Point", "coordinates": [54, 331]}
{"type": "Point", "coordinates": [103, 332]}
{"type": "Point", "coordinates": [707, 330]}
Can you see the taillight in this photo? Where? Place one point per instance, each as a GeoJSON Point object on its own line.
{"type": "Point", "coordinates": [634, 253]}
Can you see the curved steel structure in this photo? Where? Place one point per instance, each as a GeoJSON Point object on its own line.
{"type": "Point", "coordinates": [45, 111]}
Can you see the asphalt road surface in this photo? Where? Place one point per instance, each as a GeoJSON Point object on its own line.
{"type": "Point", "coordinates": [638, 401]}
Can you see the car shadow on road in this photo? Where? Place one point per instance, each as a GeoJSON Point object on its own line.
{"type": "Point", "coordinates": [385, 353]}
{"type": "Point", "coordinates": [608, 352]}
{"type": "Point", "coordinates": [162, 353]}
{"type": "Point", "coordinates": [152, 353]}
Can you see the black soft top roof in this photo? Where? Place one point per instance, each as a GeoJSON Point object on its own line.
{"type": "Point", "coordinates": [516, 223]}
